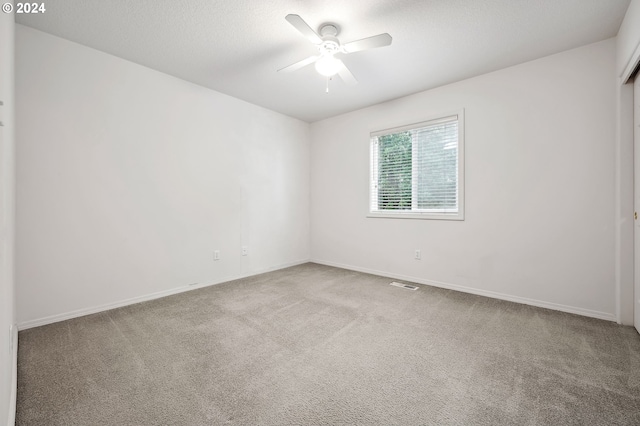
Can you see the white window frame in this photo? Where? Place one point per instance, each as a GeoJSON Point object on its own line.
{"type": "Point", "coordinates": [413, 214]}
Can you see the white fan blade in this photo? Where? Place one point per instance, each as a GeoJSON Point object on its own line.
{"type": "Point", "coordinates": [304, 28]}
{"type": "Point", "coordinates": [379, 40]}
{"type": "Point", "coordinates": [345, 74]}
{"type": "Point", "coordinates": [300, 64]}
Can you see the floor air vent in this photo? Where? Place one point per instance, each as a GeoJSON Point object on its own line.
{"type": "Point", "coordinates": [407, 286]}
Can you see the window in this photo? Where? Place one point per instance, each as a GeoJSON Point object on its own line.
{"type": "Point", "coordinates": [417, 171]}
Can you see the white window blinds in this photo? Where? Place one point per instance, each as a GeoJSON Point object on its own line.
{"type": "Point", "coordinates": [416, 169]}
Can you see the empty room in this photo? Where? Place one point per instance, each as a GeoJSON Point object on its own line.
{"type": "Point", "coordinates": [373, 212]}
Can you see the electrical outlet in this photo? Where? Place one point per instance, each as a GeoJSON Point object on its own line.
{"type": "Point", "coordinates": [216, 255]}
{"type": "Point", "coordinates": [245, 250]}
{"type": "Point", "coordinates": [417, 255]}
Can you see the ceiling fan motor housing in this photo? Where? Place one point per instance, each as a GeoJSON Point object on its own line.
{"type": "Point", "coordinates": [330, 43]}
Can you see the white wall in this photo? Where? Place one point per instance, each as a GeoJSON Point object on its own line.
{"type": "Point", "coordinates": [7, 334]}
{"type": "Point", "coordinates": [628, 40]}
{"type": "Point", "coordinates": [539, 217]}
{"type": "Point", "coordinates": [128, 179]}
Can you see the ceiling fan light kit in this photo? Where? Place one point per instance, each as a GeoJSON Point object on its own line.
{"type": "Point", "coordinates": [327, 65]}
{"type": "Point", "coordinates": [328, 45]}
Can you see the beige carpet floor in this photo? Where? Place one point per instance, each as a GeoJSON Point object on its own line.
{"type": "Point", "coordinates": [316, 345]}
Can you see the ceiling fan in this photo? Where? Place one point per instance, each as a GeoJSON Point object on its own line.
{"type": "Point", "coordinates": [328, 46]}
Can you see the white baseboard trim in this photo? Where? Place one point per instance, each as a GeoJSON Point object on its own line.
{"type": "Point", "coordinates": [107, 306]}
{"type": "Point", "coordinates": [495, 295]}
{"type": "Point", "coordinates": [11, 421]}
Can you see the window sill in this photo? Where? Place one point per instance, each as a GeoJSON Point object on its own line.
{"type": "Point", "coordinates": [428, 216]}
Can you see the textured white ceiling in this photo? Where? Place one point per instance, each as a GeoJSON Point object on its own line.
{"type": "Point", "coordinates": [236, 46]}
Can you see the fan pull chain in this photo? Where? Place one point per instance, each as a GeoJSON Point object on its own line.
{"type": "Point", "coordinates": [327, 89]}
